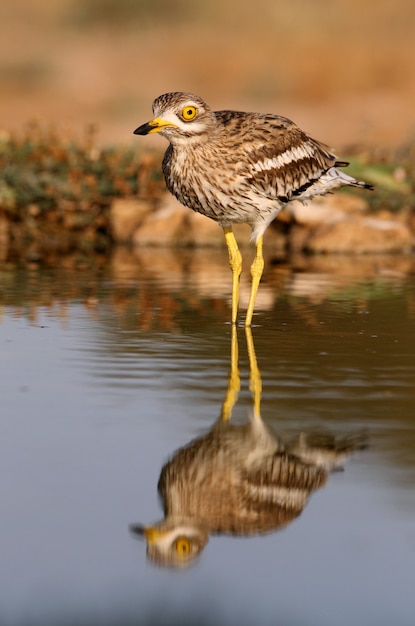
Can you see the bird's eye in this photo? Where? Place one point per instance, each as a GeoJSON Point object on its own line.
{"type": "Point", "coordinates": [188, 113]}
{"type": "Point", "coordinates": [182, 546]}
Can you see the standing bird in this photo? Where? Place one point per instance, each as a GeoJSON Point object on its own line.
{"type": "Point", "coordinates": [240, 168]}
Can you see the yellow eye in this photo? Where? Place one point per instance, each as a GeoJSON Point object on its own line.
{"type": "Point", "coordinates": [182, 546]}
{"type": "Point", "coordinates": [188, 113]}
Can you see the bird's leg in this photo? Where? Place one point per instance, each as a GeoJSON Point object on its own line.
{"type": "Point", "coordinates": [255, 383]}
{"type": "Point", "coordinates": [257, 268]}
{"type": "Point", "coordinates": [234, 380]}
{"type": "Point", "coordinates": [235, 261]}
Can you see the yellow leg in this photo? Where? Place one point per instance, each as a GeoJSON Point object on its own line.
{"type": "Point", "coordinates": [234, 380]}
{"type": "Point", "coordinates": [255, 383]}
{"type": "Point", "coordinates": [257, 268]}
{"type": "Point", "coordinates": [235, 261]}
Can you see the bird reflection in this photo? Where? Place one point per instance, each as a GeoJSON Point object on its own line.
{"type": "Point", "coordinates": [237, 479]}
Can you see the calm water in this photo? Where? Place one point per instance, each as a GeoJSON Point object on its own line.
{"type": "Point", "coordinates": [106, 372]}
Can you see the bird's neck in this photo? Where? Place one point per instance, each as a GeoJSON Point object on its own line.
{"type": "Point", "coordinates": [191, 140]}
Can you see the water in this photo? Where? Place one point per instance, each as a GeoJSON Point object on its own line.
{"type": "Point", "coordinates": [107, 370]}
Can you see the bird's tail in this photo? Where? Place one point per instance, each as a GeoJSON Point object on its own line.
{"type": "Point", "coordinates": [324, 450]}
{"type": "Point", "coordinates": [349, 180]}
{"type": "Point", "coordinates": [329, 181]}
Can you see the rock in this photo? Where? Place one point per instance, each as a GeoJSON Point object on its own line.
{"type": "Point", "coordinates": [203, 231]}
{"type": "Point", "coordinates": [341, 223]}
{"type": "Point", "coordinates": [166, 226]}
{"type": "Point", "coordinates": [4, 237]}
{"type": "Point", "coordinates": [175, 225]}
{"type": "Point", "coordinates": [325, 209]}
{"type": "Point", "coordinates": [355, 234]}
{"type": "Point", "coordinates": [126, 215]}
{"type": "Point", "coordinates": [328, 224]}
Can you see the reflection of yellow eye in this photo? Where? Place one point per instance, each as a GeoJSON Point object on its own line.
{"type": "Point", "coordinates": [182, 546]}
{"type": "Point", "coordinates": [188, 113]}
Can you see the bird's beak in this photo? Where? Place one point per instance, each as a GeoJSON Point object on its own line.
{"type": "Point", "coordinates": [150, 533]}
{"type": "Point", "coordinates": [154, 126]}
{"type": "Point", "coordinates": [137, 529]}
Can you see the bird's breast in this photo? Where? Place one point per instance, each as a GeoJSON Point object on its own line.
{"type": "Point", "coordinates": [209, 183]}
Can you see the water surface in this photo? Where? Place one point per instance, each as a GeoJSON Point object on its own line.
{"type": "Point", "coordinates": [106, 371]}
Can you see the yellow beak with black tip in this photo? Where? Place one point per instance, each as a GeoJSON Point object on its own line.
{"type": "Point", "coordinates": [154, 126]}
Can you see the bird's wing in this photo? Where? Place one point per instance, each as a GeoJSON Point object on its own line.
{"type": "Point", "coordinates": [285, 471]}
{"type": "Point", "coordinates": [277, 158]}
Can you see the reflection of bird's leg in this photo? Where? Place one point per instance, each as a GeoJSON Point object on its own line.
{"type": "Point", "coordinates": [254, 375]}
{"type": "Point", "coordinates": [234, 380]}
{"type": "Point", "coordinates": [235, 261]}
{"type": "Point", "coordinates": [257, 268]}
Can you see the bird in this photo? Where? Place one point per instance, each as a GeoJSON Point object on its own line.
{"type": "Point", "coordinates": [238, 167]}
{"type": "Point", "coordinates": [238, 479]}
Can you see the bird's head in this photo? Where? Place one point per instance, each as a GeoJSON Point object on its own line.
{"type": "Point", "coordinates": [179, 117]}
{"type": "Point", "coordinates": [174, 542]}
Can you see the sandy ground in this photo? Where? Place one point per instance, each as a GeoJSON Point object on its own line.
{"type": "Point", "coordinates": [344, 71]}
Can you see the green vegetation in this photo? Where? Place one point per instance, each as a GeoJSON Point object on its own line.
{"type": "Point", "coordinates": [393, 176]}
{"type": "Point", "coordinates": [52, 185]}
{"type": "Point", "coordinates": [50, 171]}
{"type": "Point", "coordinates": [123, 13]}
{"type": "Point", "coordinates": [57, 190]}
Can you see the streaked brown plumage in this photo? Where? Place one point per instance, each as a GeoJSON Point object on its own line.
{"type": "Point", "coordinates": [237, 480]}
{"type": "Point", "coordinates": [237, 167]}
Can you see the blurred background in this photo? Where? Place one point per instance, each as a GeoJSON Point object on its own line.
{"type": "Point", "coordinates": [342, 69]}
